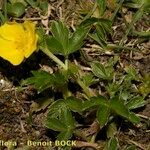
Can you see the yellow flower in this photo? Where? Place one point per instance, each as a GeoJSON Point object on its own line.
{"type": "Point", "coordinates": [17, 41]}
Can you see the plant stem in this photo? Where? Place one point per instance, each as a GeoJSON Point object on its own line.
{"type": "Point", "coordinates": [54, 58]}
{"type": "Point", "coordinates": [86, 89]}
{"type": "Point", "coordinates": [66, 62]}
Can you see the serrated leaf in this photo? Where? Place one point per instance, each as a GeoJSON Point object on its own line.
{"type": "Point", "coordinates": [56, 108]}
{"type": "Point", "coordinates": [118, 106]}
{"type": "Point", "coordinates": [55, 124]}
{"type": "Point", "coordinates": [54, 45]}
{"type": "Point", "coordinates": [66, 117]}
{"type": "Point", "coordinates": [99, 70]}
{"type": "Point", "coordinates": [136, 102]}
{"type": "Point", "coordinates": [59, 79]}
{"type": "Point", "coordinates": [61, 33]}
{"type": "Point", "coordinates": [121, 109]}
{"type": "Point", "coordinates": [41, 80]}
{"type": "Point", "coordinates": [102, 115]}
{"type": "Point", "coordinates": [74, 104]}
{"type": "Point", "coordinates": [113, 88]}
{"type": "Point", "coordinates": [60, 111]}
{"type": "Point", "coordinates": [16, 9]}
{"type": "Point", "coordinates": [76, 40]}
{"type": "Point", "coordinates": [95, 101]}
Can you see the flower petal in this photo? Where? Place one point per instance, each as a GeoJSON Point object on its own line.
{"type": "Point", "coordinates": [31, 38]}
{"type": "Point", "coordinates": [9, 52]}
{"type": "Point", "coordinates": [12, 31]}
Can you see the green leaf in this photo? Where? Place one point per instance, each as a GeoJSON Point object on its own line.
{"type": "Point", "coordinates": [74, 104]}
{"type": "Point", "coordinates": [95, 101]}
{"type": "Point", "coordinates": [101, 6]}
{"type": "Point", "coordinates": [66, 117]}
{"type": "Point", "coordinates": [76, 40]}
{"type": "Point", "coordinates": [41, 80]}
{"type": "Point", "coordinates": [73, 69]}
{"type": "Point", "coordinates": [101, 71]}
{"type": "Point", "coordinates": [134, 118]}
{"type": "Point", "coordinates": [64, 135]}
{"type": "Point", "coordinates": [102, 28]}
{"type": "Point", "coordinates": [43, 5]}
{"type": "Point", "coordinates": [113, 88]}
{"type": "Point", "coordinates": [101, 34]}
{"type": "Point", "coordinates": [60, 111]}
{"type": "Point", "coordinates": [103, 113]}
{"type": "Point", "coordinates": [131, 73]}
{"type": "Point", "coordinates": [33, 3]}
{"type": "Point", "coordinates": [55, 110]}
{"type": "Point", "coordinates": [59, 79]}
{"type": "Point", "coordinates": [41, 36]}
{"type": "Point", "coordinates": [88, 79]}
{"type": "Point", "coordinates": [112, 144]}
{"type": "Point", "coordinates": [55, 124]}
{"type": "Point", "coordinates": [96, 38]}
{"type": "Point", "coordinates": [62, 43]}
{"type": "Point", "coordinates": [113, 60]}
{"type": "Point", "coordinates": [16, 9]}
{"type": "Point", "coordinates": [136, 102]}
{"type": "Point", "coordinates": [61, 33]}
{"type": "Point", "coordinates": [118, 106]}
{"type": "Point", "coordinates": [54, 45]}
{"type": "Point", "coordinates": [144, 87]}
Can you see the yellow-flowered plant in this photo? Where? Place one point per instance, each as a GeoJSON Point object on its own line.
{"type": "Point", "coordinates": [17, 41]}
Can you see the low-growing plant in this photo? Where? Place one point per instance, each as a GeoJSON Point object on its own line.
{"type": "Point", "coordinates": [120, 97]}
{"type": "Point", "coordinates": [118, 92]}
